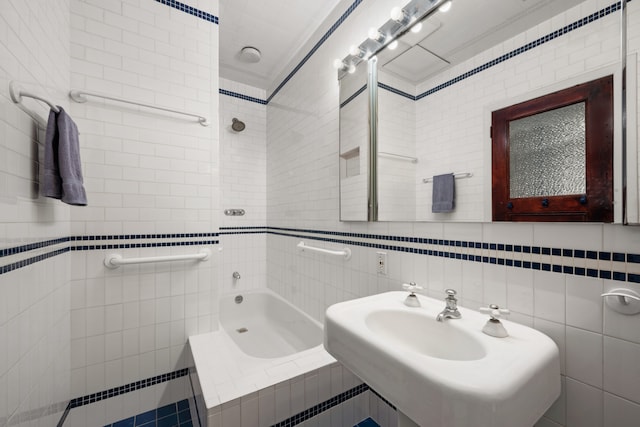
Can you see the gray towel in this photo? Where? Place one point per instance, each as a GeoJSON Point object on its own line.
{"type": "Point", "coordinates": [444, 193]}
{"type": "Point", "coordinates": [62, 168]}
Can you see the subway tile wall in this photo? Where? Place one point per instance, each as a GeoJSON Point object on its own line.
{"type": "Point", "coordinates": [151, 175]}
{"type": "Point", "coordinates": [152, 178]}
{"type": "Point", "coordinates": [34, 301]}
{"type": "Point", "coordinates": [243, 157]}
{"type": "Point", "coordinates": [567, 306]}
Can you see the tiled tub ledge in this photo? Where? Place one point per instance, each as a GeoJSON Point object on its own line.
{"type": "Point", "coordinates": [228, 382]}
{"type": "Point", "coordinates": [266, 366]}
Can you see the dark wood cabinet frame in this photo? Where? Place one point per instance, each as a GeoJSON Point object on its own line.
{"type": "Point", "coordinates": [597, 204]}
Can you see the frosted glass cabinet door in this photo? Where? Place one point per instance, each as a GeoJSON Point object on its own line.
{"type": "Point", "coordinates": [552, 156]}
{"type": "Point", "coordinates": [547, 155]}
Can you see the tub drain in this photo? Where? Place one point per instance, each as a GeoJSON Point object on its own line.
{"type": "Point", "coordinates": [242, 330]}
{"type": "Point", "coordinates": [238, 299]}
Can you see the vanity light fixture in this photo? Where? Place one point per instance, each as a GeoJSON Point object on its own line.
{"type": "Point", "coordinates": [339, 65]}
{"type": "Point", "coordinates": [445, 7]}
{"type": "Point", "coordinates": [376, 35]}
{"type": "Point", "coordinates": [403, 19]}
{"type": "Point", "coordinates": [357, 51]}
{"type": "Point", "coordinates": [400, 16]}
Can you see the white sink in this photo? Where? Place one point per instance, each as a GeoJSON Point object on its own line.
{"type": "Point", "coordinates": [444, 373]}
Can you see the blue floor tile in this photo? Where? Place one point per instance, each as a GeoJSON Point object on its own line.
{"type": "Point", "coordinates": [174, 415]}
{"type": "Point", "coordinates": [184, 416]}
{"type": "Point", "coordinates": [367, 423]}
{"type": "Point", "coordinates": [182, 405]}
{"type": "Point", "coordinates": [146, 417]}
{"type": "Point", "coordinates": [166, 410]}
{"type": "Point", "coordinates": [124, 423]}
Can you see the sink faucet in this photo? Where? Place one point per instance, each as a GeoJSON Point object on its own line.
{"type": "Point", "coordinates": [451, 310]}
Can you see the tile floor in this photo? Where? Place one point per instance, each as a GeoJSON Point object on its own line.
{"type": "Point", "coordinates": [367, 423]}
{"type": "Point", "coordinates": [174, 415]}
{"type": "Point", "coordinates": [178, 415]}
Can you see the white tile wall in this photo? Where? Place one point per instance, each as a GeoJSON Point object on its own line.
{"type": "Point", "coordinates": [243, 185]}
{"type": "Point", "coordinates": [34, 300]}
{"type": "Point", "coordinates": [285, 399]}
{"type": "Point", "coordinates": [595, 343]}
{"type": "Point", "coordinates": [147, 172]}
{"type": "Point", "coordinates": [160, 174]}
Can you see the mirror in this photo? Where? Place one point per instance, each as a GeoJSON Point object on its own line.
{"type": "Point", "coordinates": [436, 91]}
{"type": "Point", "coordinates": [354, 145]}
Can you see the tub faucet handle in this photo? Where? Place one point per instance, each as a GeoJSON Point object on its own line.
{"type": "Point", "coordinates": [236, 275]}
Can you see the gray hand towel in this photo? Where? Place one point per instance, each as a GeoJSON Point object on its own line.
{"type": "Point", "coordinates": [62, 177]}
{"type": "Point", "coordinates": [444, 193]}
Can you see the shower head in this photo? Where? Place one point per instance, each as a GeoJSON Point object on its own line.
{"type": "Point", "coordinates": [237, 125]}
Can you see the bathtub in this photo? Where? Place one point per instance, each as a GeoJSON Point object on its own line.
{"type": "Point", "coordinates": [263, 325]}
{"type": "Point", "coordinates": [262, 341]}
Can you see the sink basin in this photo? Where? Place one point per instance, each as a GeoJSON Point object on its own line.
{"type": "Point", "coordinates": [444, 373]}
{"type": "Point", "coordinates": [446, 340]}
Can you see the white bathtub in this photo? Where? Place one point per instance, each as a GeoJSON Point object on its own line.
{"type": "Point", "coordinates": [280, 343]}
{"type": "Point", "coordinates": [264, 325]}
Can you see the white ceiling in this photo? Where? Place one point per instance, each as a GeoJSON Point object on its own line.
{"type": "Point", "coordinates": [471, 26]}
{"type": "Point", "coordinates": [278, 28]}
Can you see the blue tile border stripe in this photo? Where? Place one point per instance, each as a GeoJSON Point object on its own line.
{"type": "Point", "coordinates": [101, 242]}
{"type": "Point", "coordinates": [190, 10]}
{"type": "Point", "coordinates": [323, 406]}
{"type": "Point", "coordinates": [32, 246]}
{"type": "Point", "coordinates": [510, 255]}
{"type": "Point", "coordinates": [313, 50]}
{"type": "Point", "coordinates": [243, 97]}
{"type": "Point", "coordinates": [354, 96]}
{"type": "Point", "coordinates": [542, 40]}
{"type": "Point", "coordinates": [127, 388]}
{"type": "Point", "coordinates": [396, 91]}
{"type": "Point", "coordinates": [26, 262]}
{"type": "Point", "coordinates": [117, 391]}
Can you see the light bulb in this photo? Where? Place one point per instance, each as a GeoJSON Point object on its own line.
{"type": "Point", "coordinates": [397, 13]}
{"type": "Point", "coordinates": [374, 34]}
{"type": "Point", "coordinates": [445, 6]}
{"type": "Point", "coordinates": [393, 45]}
{"type": "Point", "coordinates": [351, 69]}
{"type": "Point", "coordinates": [417, 28]}
{"type": "Point", "coordinates": [338, 64]}
{"type": "Point", "coordinates": [355, 50]}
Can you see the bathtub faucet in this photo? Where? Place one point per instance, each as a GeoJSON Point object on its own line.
{"type": "Point", "coordinates": [236, 275]}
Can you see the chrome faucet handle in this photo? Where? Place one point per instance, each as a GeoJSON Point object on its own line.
{"type": "Point", "coordinates": [411, 287]}
{"type": "Point", "coordinates": [494, 311]}
{"type": "Point", "coordinates": [451, 293]}
{"type": "Point", "coordinates": [412, 299]}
